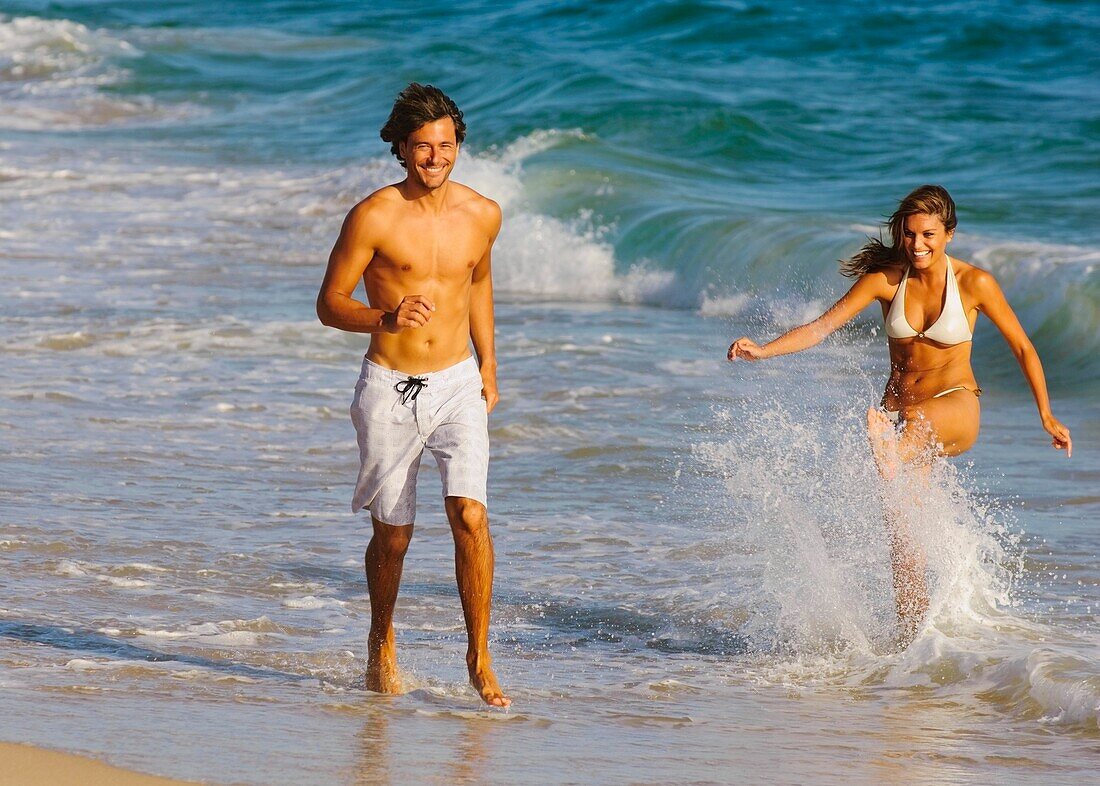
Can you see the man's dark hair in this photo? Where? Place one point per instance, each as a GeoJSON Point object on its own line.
{"type": "Point", "coordinates": [416, 106]}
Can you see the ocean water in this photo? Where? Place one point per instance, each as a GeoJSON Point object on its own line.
{"type": "Point", "coordinates": [692, 581]}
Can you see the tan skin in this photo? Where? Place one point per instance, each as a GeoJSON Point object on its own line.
{"type": "Point", "coordinates": [919, 369]}
{"type": "Point", "coordinates": [423, 248]}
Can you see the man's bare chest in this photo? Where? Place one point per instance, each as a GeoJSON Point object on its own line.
{"type": "Point", "coordinates": [439, 251]}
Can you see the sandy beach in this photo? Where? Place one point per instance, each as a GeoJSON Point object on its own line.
{"type": "Point", "coordinates": [27, 765]}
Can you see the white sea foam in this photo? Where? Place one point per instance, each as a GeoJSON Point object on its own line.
{"type": "Point", "coordinates": [86, 664]}
{"type": "Point", "coordinates": [51, 71]}
{"type": "Point", "coordinates": [691, 368]}
{"type": "Point", "coordinates": [143, 567]}
{"type": "Point", "coordinates": [205, 674]}
{"type": "Point", "coordinates": [1067, 689]}
{"type": "Point", "coordinates": [225, 334]}
{"type": "Point", "coordinates": [239, 210]}
{"type": "Point", "coordinates": [538, 254]}
{"type": "Point", "coordinates": [232, 633]}
{"type": "Point", "coordinates": [794, 311]}
{"type": "Point", "coordinates": [116, 665]}
{"type": "Point", "coordinates": [537, 142]}
{"type": "Point", "coordinates": [312, 602]}
{"type": "Point", "coordinates": [116, 575]}
{"type": "Point", "coordinates": [67, 567]}
{"type": "Point", "coordinates": [303, 585]}
{"type": "Point", "coordinates": [167, 634]}
{"type": "Point", "coordinates": [242, 40]}
{"type": "Point", "coordinates": [32, 47]}
{"type": "Point", "coordinates": [724, 306]}
{"type": "Point", "coordinates": [122, 581]}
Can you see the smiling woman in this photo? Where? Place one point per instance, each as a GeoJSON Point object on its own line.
{"type": "Point", "coordinates": [931, 396]}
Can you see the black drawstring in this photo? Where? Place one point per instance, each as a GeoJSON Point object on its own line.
{"type": "Point", "coordinates": [410, 388]}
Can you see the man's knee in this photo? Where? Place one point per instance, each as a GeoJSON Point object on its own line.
{"type": "Point", "coordinates": [390, 540]}
{"type": "Point", "coordinates": [467, 516]}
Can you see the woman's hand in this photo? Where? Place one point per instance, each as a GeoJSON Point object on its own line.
{"type": "Point", "coordinates": [1061, 439]}
{"type": "Point", "coordinates": [747, 349]}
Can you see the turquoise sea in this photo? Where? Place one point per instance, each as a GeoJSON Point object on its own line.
{"type": "Point", "coordinates": [692, 574]}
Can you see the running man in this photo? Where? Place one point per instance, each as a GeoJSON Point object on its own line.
{"type": "Point", "coordinates": [422, 248]}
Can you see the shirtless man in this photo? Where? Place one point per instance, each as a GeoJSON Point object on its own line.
{"type": "Point", "coordinates": [422, 248]}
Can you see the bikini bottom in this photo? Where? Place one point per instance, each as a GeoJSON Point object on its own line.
{"type": "Point", "coordinates": [895, 415]}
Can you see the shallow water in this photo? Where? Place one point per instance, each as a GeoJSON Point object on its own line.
{"type": "Point", "coordinates": [185, 571]}
{"type": "Point", "coordinates": [691, 567]}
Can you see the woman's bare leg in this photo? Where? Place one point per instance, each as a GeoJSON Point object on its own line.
{"type": "Point", "coordinates": [907, 560]}
{"type": "Point", "coordinates": [950, 423]}
{"type": "Point", "coordinates": [947, 425]}
{"type": "Point", "coordinates": [909, 565]}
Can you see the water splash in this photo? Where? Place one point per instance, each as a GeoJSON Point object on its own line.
{"type": "Point", "coordinates": [807, 545]}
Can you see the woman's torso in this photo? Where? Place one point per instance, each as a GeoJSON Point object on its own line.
{"type": "Point", "coordinates": [921, 366]}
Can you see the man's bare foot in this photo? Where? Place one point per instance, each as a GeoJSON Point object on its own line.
{"type": "Point", "coordinates": [884, 442]}
{"type": "Point", "coordinates": [382, 676]}
{"type": "Point", "coordinates": [485, 683]}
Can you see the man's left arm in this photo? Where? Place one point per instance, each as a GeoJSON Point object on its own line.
{"type": "Point", "coordinates": [482, 322]}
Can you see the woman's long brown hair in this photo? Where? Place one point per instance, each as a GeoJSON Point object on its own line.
{"type": "Point", "coordinates": [926, 200]}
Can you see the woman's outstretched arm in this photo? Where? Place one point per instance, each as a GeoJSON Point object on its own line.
{"type": "Point", "coordinates": [992, 302]}
{"type": "Point", "coordinates": [870, 287]}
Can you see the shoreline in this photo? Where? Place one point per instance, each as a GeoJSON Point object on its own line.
{"type": "Point", "coordinates": [30, 765]}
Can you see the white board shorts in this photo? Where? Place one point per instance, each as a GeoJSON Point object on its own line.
{"type": "Point", "coordinates": [446, 415]}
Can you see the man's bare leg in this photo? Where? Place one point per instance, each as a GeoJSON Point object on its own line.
{"type": "Point", "coordinates": [474, 569]}
{"type": "Point", "coordinates": [383, 561]}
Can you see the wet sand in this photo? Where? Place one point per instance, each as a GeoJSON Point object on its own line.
{"type": "Point", "coordinates": [27, 765]}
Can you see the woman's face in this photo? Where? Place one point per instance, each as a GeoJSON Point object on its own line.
{"type": "Point", "coordinates": [925, 239]}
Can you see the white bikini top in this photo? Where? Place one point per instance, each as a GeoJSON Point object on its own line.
{"type": "Point", "coordinates": [950, 328]}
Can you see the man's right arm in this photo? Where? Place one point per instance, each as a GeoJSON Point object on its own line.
{"type": "Point", "coordinates": [347, 263]}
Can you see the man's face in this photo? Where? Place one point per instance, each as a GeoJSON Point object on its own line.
{"type": "Point", "coordinates": [430, 152]}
